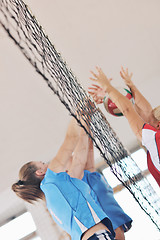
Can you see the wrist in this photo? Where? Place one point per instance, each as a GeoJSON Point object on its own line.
{"type": "Point", "coordinates": [131, 85]}
{"type": "Point", "coordinates": [108, 88]}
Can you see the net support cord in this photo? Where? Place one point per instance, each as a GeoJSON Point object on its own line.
{"type": "Point", "coordinates": [23, 28]}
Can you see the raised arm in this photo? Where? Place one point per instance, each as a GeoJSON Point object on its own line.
{"type": "Point", "coordinates": [125, 106]}
{"type": "Point", "coordinates": [83, 155]}
{"type": "Point", "coordinates": [142, 106]}
{"type": "Point", "coordinates": [90, 164]}
{"type": "Point", "coordinates": [79, 158]}
{"type": "Point", "coordinates": [60, 161]}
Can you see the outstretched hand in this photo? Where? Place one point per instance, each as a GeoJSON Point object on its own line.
{"type": "Point", "coordinates": [97, 93]}
{"type": "Point", "coordinates": [126, 77]}
{"type": "Point", "coordinates": [101, 78]}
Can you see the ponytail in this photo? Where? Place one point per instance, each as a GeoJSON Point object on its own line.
{"type": "Point", "coordinates": [29, 187]}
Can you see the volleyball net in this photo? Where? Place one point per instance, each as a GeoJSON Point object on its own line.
{"type": "Point", "coordinates": [23, 28]}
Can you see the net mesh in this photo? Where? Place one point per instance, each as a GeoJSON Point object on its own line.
{"type": "Point", "coordinates": [23, 28]}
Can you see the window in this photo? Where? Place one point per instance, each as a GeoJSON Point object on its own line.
{"type": "Point", "coordinates": [142, 227]}
{"type": "Point", "coordinates": [18, 228]}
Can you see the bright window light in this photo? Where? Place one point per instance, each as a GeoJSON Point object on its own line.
{"type": "Point", "coordinates": [154, 184]}
{"type": "Point", "coordinates": [111, 178]}
{"type": "Point", "coordinates": [140, 157]}
{"type": "Point", "coordinates": [36, 238]}
{"type": "Point", "coordinates": [142, 227]}
{"type": "Point", "coordinates": [141, 221]}
{"type": "Point", "coordinates": [18, 227]}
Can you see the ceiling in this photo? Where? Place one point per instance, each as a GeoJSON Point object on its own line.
{"type": "Point", "coordinates": [86, 33]}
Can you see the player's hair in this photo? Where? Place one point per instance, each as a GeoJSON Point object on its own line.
{"type": "Point", "coordinates": [156, 113]}
{"type": "Point", "coordinates": [28, 187]}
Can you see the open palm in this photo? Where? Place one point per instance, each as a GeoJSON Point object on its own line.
{"type": "Point", "coordinates": [97, 93]}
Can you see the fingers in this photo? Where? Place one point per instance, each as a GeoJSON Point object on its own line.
{"type": "Point", "coordinates": [99, 69]}
{"type": "Point", "coordinates": [93, 79]}
{"type": "Point", "coordinates": [91, 93]}
{"type": "Point", "coordinates": [92, 90]}
{"type": "Point", "coordinates": [127, 71]}
{"type": "Point", "coordinates": [124, 74]}
{"type": "Point", "coordinates": [95, 87]}
{"type": "Point", "coordinates": [95, 75]}
{"type": "Point", "coordinates": [131, 75]}
{"type": "Point", "coordinates": [101, 79]}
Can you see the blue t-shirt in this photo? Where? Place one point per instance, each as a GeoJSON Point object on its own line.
{"type": "Point", "coordinates": [71, 205]}
{"type": "Point", "coordinates": [102, 193]}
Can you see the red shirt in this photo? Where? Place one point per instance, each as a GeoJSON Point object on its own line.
{"type": "Point", "coordinates": [151, 140]}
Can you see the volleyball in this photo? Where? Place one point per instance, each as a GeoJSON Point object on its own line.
{"type": "Point", "coordinates": [111, 106]}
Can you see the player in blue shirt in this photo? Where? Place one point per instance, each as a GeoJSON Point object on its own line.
{"type": "Point", "coordinates": [102, 193]}
{"type": "Point", "coordinates": [67, 197]}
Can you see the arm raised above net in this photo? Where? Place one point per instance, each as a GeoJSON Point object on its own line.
{"type": "Point", "coordinates": [125, 106]}
{"type": "Point", "coordinates": [142, 106]}
{"type": "Point", "coordinates": [60, 161]}
{"type": "Point", "coordinates": [79, 158]}
{"type": "Point", "coordinates": [90, 164]}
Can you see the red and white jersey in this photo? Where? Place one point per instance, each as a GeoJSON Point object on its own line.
{"type": "Point", "coordinates": [151, 140]}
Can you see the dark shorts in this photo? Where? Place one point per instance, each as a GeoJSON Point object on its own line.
{"type": "Point", "coordinates": [102, 234]}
